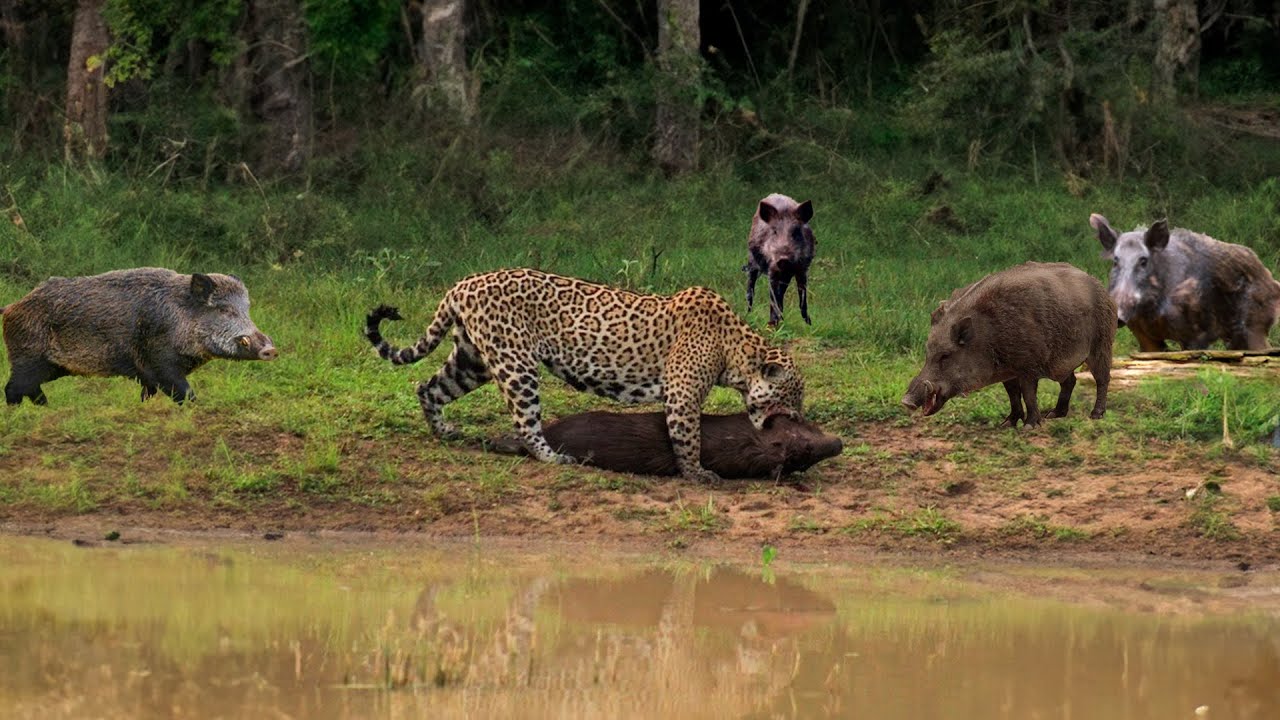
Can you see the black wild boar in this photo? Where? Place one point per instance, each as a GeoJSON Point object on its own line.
{"type": "Point", "coordinates": [731, 446]}
{"type": "Point", "coordinates": [1036, 320]}
{"type": "Point", "coordinates": [150, 324]}
{"type": "Point", "coordinates": [1187, 287]}
{"type": "Point", "coordinates": [781, 246]}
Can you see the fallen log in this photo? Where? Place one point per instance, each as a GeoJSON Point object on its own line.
{"type": "Point", "coordinates": [1228, 356]}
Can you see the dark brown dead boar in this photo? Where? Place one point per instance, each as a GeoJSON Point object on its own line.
{"type": "Point", "coordinates": [1036, 320]}
{"type": "Point", "coordinates": [149, 324]}
{"type": "Point", "coordinates": [1187, 287]}
{"type": "Point", "coordinates": [731, 446]}
{"type": "Point", "coordinates": [781, 246]}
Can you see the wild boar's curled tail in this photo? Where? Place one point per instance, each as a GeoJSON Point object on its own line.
{"type": "Point", "coordinates": [404, 356]}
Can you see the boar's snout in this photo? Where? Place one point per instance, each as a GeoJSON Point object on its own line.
{"type": "Point", "coordinates": [257, 346]}
{"type": "Point", "coordinates": [1127, 300]}
{"type": "Point", "coordinates": [829, 446]}
{"type": "Point", "coordinates": [924, 395]}
{"type": "Point", "coordinates": [915, 394]}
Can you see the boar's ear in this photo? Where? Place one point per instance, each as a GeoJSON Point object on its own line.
{"type": "Point", "coordinates": [1106, 235]}
{"type": "Point", "coordinates": [938, 312]}
{"type": "Point", "coordinates": [201, 287]}
{"type": "Point", "coordinates": [805, 211]}
{"type": "Point", "coordinates": [962, 331]}
{"type": "Point", "coordinates": [1157, 235]}
{"type": "Point", "coordinates": [766, 211]}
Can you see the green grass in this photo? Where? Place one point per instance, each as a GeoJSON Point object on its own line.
{"type": "Point", "coordinates": [926, 522]}
{"type": "Point", "coordinates": [1039, 528]}
{"type": "Point", "coordinates": [1211, 519]}
{"type": "Point", "coordinates": [702, 518]}
{"type": "Point", "coordinates": [803, 524]}
{"type": "Point", "coordinates": [316, 260]}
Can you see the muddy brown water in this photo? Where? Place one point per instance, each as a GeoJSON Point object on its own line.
{"type": "Point", "coordinates": [230, 629]}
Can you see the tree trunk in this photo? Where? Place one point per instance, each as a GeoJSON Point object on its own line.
{"type": "Point", "coordinates": [281, 94]}
{"type": "Point", "coordinates": [443, 59]}
{"type": "Point", "coordinates": [85, 129]}
{"type": "Point", "coordinates": [1177, 61]}
{"type": "Point", "coordinates": [13, 39]}
{"type": "Point", "coordinates": [12, 29]}
{"type": "Point", "coordinates": [679, 80]}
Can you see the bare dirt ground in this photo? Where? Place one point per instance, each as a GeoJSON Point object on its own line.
{"type": "Point", "coordinates": [916, 489]}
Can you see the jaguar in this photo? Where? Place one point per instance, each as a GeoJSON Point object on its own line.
{"type": "Point", "coordinates": [619, 344]}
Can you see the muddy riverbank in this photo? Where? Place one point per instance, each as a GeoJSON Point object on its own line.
{"type": "Point", "coordinates": [917, 489]}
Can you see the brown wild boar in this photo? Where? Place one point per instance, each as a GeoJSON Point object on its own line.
{"type": "Point", "coordinates": [1187, 287]}
{"type": "Point", "coordinates": [149, 324]}
{"type": "Point", "coordinates": [731, 446]}
{"type": "Point", "coordinates": [781, 246]}
{"type": "Point", "coordinates": [1036, 320]}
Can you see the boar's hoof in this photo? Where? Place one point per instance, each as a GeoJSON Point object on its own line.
{"type": "Point", "coordinates": [1031, 421]}
{"type": "Point", "coordinates": [1011, 421]}
{"type": "Point", "coordinates": [1054, 414]}
{"type": "Point", "coordinates": [1097, 414]}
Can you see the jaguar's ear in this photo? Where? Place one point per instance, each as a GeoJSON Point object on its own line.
{"type": "Point", "coordinates": [774, 370]}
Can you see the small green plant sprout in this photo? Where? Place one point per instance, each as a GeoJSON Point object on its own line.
{"type": "Point", "coordinates": [769, 552]}
{"type": "Point", "coordinates": [1273, 503]}
{"type": "Point", "coordinates": [703, 518]}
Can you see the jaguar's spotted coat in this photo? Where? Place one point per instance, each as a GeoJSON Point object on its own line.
{"type": "Point", "coordinates": [619, 344]}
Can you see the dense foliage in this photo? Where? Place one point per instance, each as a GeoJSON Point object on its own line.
{"type": "Point", "coordinates": [1014, 83]}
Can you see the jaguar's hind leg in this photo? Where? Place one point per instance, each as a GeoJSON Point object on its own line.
{"type": "Point", "coordinates": [463, 372]}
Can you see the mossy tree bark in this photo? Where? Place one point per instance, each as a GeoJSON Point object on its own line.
{"type": "Point", "coordinates": [1177, 61]}
{"type": "Point", "coordinates": [84, 131]}
{"type": "Point", "coordinates": [442, 59]}
{"type": "Point", "coordinates": [281, 92]}
{"type": "Point", "coordinates": [679, 80]}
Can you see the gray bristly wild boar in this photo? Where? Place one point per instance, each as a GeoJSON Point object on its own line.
{"type": "Point", "coordinates": [781, 246]}
{"type": "Point", "coordinates": [1187, 287]}
{"type": "Point", "coordinates": [1036, 320]}
{"type": "Point", "coordinates": [150, 324]}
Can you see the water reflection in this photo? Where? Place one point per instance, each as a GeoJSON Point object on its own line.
{"type": "Point", "coordinates": [351, 633]}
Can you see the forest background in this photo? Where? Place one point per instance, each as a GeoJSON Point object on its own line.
{"type": "Point", "coordinates": [341, 153]}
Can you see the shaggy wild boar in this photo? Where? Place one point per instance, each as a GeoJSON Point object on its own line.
{"type": "Point", "coordinates": [1187, 287]}
{"type": "Point", "coordinates": [150, 324]}
{"type": "Point", "coordinates": [1036, 320]}
{"type": "Point", "coordinates": [731, 446]}
{"type": "Point", "coordinates": [780, 246]}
